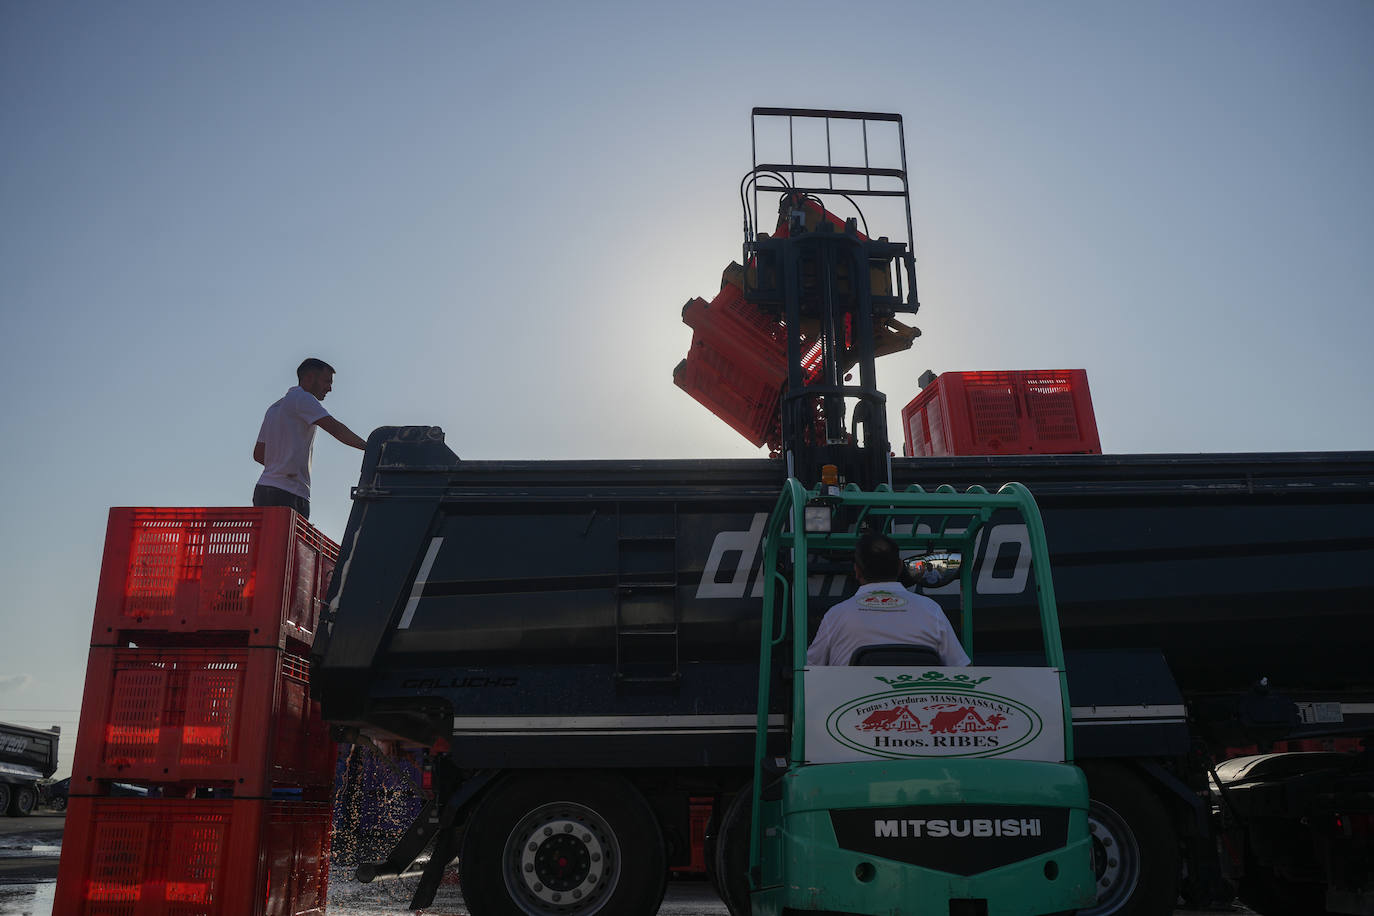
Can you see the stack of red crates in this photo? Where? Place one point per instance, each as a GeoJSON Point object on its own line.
{"type": "Point", "coordinates": [197, 692]}
{"type": "Point", "coordinates": [737, 365]}
{"type": "Point", "coordinates": [698, 819]}
{"type": "Point", "coordinates": [1040, 411]}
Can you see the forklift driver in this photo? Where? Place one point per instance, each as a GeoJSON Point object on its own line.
{"type": "Point", "coordinates": [883, 612]}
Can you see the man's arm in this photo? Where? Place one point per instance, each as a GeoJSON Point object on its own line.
{"type": "Point", "coordinates": [952, 653]}
{"type": "Point", "coordinates": [260, 453]}
{"type": "Point", "coordinates": [341, 432]}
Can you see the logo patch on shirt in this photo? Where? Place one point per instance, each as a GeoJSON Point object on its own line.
{"type": "Point", "coordinates": [881, 600]}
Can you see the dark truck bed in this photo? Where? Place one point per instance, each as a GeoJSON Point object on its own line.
{"type": "Point", "coordinates": [615, 603]}
{"type": "Point", "coordinates": [27, 754]}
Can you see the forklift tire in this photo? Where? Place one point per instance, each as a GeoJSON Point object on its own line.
{"type": "Point", "coordinates": [576, 843]}
{"type": "Point", "coordinates": [708, 844]}
{"type": "Point", "coordinates": [22, 800]}
{"type": "Point", "coordinates": [730, 855]}
{"type": "Point", "coordinates": [1135, 847]}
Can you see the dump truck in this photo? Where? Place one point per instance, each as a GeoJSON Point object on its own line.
{"type": "Point", "coordinates": [577, 643]}
{"type": "Point", "coordinates": [26, 756]}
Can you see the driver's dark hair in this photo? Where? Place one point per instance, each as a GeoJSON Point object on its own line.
{"type": "Point", "coordinates": [311, 364]}
{"type": "Point", "coordinates": [878, 558]}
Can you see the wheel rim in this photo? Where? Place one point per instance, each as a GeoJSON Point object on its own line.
{"type": "Point", "coordinates": [1116, 859]}
{"type": "Point", "coordinates": [561, 858]}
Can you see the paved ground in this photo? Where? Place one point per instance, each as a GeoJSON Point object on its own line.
{"type": "Point", "coordinates": [684, 898]}
{"type": "Point", "coordinates": [29, 850]}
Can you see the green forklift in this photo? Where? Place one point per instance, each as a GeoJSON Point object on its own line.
{"type": "Point", "coordinates": [891, 785]}
{"type": "Point", "coordinates": [910, 788]}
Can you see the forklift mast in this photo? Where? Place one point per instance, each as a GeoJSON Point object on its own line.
{"type": "Point", "coordinates": [835, 289]}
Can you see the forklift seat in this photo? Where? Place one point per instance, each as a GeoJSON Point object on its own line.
{"type": "Point", "coordinates": [896, 655]}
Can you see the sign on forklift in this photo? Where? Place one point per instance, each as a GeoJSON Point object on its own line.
{"type": "Point", "coordinates": [854, 714]}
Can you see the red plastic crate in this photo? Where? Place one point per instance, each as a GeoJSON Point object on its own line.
{"type": "Point", "coordinates": [1044, 411]}
{"type": "Point", "coordinates": [699, 816]}
{"type": "Point", "coordinates": [237, 717]}
{"type": "Point", "coordinates": [748, 404]}
{"type": "Point", "coordinates": [150, 857]}
{"type": "Point", "coordinates": [260, 574]}
{"type": "Point", "coordinates": [737, 364]}
{"type": "Point", "coordinates": [740, 332]}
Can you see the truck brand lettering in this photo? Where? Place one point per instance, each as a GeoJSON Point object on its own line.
{"type": "Point", "coordinates": [939, 828]}
{"type": "Point", "coordinates": [734, 561]}
{"type": "Point", "coordinates": [744, 545]}
{"type": "Point", "coordinates": [434, 683]}
{"type": "Point", "coordinates": [1000, 537]}
{"type": "Point", "coordinates": [13, 744]}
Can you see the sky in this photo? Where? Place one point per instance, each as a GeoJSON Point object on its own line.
{"type": "Point", "coordinates": [487, 217]}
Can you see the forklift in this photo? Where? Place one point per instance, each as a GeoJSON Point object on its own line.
{"type": "Point", "coordinates": [899, 786]}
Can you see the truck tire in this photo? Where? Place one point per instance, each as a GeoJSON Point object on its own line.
{"type": "Point", "coordinates": [569, 844]}
{"type": "Point", "coordinates": [22, 800]}
{"type": "Point", "coordinates": [1135, 847]}
{"type": "Point", "coordinates": [5, 795]}
{"type": "Point", "coordinates": [730, 852]}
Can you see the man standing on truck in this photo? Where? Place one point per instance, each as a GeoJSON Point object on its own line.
{"type": "Point", "coordinates": [882, 612]}
{"type": "Point", "coordinates": [286, 441]}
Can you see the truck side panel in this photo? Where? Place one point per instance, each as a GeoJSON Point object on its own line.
{"type": "Point", "coordinates": [603, 592]}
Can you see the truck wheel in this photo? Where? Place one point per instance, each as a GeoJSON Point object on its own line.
{"type": "Point", "coordinates": [730, 857]}
{"type": "Point", "coordinates": [5, 795]}
{"type": "Point", "coordinates": [22, 800]}
{"type": "Point", "coordinates": [1135, 849]}
{"type": "Point", "coordinates": [541, 845]}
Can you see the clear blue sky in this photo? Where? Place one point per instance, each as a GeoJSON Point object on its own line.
{"type": "Point", "coordinates": [488, 217]}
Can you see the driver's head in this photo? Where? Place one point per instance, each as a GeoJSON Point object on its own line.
{"type": "Point", "coordinates": [877, 559]}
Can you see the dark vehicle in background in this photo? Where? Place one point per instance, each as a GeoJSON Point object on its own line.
{"type": "Point", "coordinates": [53, 795]}
{"type": "Point", "coordinates": [26, 756]}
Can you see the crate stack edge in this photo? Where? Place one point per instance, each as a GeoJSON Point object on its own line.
{"type": "Point", "coordinates": [197, 694]}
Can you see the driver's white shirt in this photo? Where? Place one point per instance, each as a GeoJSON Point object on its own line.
{"type": "Point", "coordinates": [884, 613]}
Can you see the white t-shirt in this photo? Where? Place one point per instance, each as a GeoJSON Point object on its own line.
{"type": "Point", "coordinates": [288, 434]}
{"type": "Point", "coordinates": [879, 614]}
